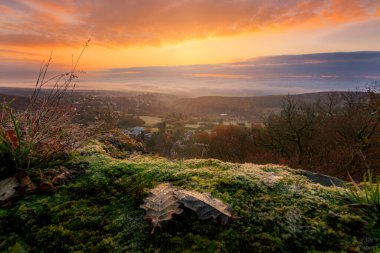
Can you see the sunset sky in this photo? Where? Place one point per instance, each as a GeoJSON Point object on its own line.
{"type": "Point", "coordinates": [128, 34]}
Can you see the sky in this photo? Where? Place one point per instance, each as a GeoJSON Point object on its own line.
{"type": "Point", "coordinates": [136, 43]}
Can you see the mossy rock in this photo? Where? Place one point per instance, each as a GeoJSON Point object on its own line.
{"type": "Point", "coordinates": [279, 210]}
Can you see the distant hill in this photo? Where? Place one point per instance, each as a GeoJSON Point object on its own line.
{"type": "Point", "coordinates": [244, 106]}
{"type": "Point", "coordinates": [162, 104]}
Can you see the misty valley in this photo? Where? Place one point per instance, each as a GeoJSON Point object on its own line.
{"type": "Point", "coordinates": [189, 126]}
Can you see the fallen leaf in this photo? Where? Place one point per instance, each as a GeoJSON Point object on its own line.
{"type": "Point", "coordinates": [26, 184]}
{"type": "Point", "coordinates": [205, 205]}
{"type": "Point", "coordinates": [161, 205]}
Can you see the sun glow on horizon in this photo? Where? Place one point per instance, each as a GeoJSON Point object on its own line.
{"type": "Point", "coordinates": [155, 33]}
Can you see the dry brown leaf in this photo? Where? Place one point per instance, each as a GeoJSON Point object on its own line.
{"type": "Point", "coordinates": [205, 205]}
{"type": "Point", "coordinates": [12, 138]}
{"type": "Point", "coordinates": [26, 184]}
{"type": "Point", "coordinates": [164, 201]}
{"type": "Point", "coordinates": [160, 205]}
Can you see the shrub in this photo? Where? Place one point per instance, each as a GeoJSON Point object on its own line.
{"type": "Point", "coordinates": [366, 193]}
{"type": "Point", "coordinates": [365, 197]}
{"type": "Point", "coordinates": [41, 135]}
{"type": "Point", "coordinates": [119, 144]}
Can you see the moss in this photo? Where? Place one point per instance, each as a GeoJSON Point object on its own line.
{"type": "Point", "coordinates": [279, 210]}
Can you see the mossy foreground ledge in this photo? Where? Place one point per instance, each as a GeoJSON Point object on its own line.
{"type": "Point", "coordinates": [279, 210]}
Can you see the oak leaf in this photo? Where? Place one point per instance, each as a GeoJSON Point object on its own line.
{"type": "Point", "coordinates": [205, 205]}
{"type": "Point", "coordinates": [161, 205]}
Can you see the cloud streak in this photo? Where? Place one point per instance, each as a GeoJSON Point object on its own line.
{"type": "Point", "coordinates": [343, 66]}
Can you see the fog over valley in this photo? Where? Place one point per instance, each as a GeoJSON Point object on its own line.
{"type": "Point", "coordinates": [272, 75]}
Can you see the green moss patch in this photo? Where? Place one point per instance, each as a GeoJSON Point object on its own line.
{"type": "Point", "coordinates": [280, 211]}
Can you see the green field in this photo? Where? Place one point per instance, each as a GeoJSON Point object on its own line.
{"type": "Point", "coordinates": [150, 120]}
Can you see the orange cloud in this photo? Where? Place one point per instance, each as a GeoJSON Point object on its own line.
{"type": "Point", "coordinates": [348, 10]}
{"type": "Point", "coordinates": [153, 22]}
{"type": "Point", "coordinates": [224, 76]}
{"type": "Point", "coordinates": [51, 5]}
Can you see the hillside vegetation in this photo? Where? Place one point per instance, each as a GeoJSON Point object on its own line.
{"type": "Point", "coordinates": [279, 210]}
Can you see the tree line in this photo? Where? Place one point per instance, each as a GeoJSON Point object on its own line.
{"type": "Point", "coordinates": [335, 135]}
